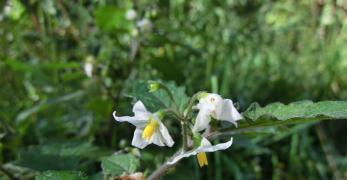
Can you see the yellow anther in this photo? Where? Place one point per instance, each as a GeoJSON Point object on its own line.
{"type": "Point", "coordinates": [202, 159]}
{"type": "Point", "coordinates": [149, 129]}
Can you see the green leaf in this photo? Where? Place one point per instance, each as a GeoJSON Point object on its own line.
{"type": "Point", "coordinates": [17, 10]}
{"type": "Point", "coordinates": [160, 99]}
{"type": "Point", "coordinates": [17, 65]}
{"type": "Point", "coordinates": [44, 104]}
{"type": "Point", "coordinates": [302, 111]}
{"type": "Point", "coordinates": [116, 165]}
{"type": "Point", "coordinates": [56, 156]}
{"type": "Point", "coordinates": [110, 18]}
{"type": "Point", "coordinates": [61, 175]}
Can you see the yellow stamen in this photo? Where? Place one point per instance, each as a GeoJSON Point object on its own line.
{"type": "Point", "coordinates": [202, 159]}
{"type": "Point", "coordinates": [149, 129]}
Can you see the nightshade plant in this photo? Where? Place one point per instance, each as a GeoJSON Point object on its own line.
{"type": "Point", "coordinates": [157, 102]}
{"type": "Point", "coordinates": [150, 129]}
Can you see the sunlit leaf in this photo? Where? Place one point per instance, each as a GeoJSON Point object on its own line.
{"type": "Point", "coordinates": [297, 112]}
{"type": "Point", "coordinates": [110, 18]}
{"type": "Point", "coordinates": [120, 163]}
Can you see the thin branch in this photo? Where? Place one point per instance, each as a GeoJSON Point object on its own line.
{"type": "Point", "coordinates": [217, 134]}
{"type": "Point", "coordinates": [184, 135]}
{"type": "Point", "coordinates": [159, 172]}
{"type": "Point", "coordinates": [191, 104]}
{"type": "Point", "coordinates": [328, 152]}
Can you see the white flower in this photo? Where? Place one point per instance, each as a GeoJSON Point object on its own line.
{"type": "Point", "coordinates": [88, 66]}
{"type": "Point", "coordinates": [8, 8]}
{"type": "Point", "coordinates": [144, 25]}
{"type": "Point", "coordinates": [205, 146]}
{"type": "Point", "coordinates": [149, 128]}
{"type": "Point", "coordinates": [88, 69]}
{"type": "Point", "coordinates": [130, 14]}
{"type": "Point", "coordinates": [213, 105]}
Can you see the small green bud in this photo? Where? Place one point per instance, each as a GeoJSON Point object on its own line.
{"type": "Point", "coordinates": [161, 114]}
{"type": "Point", "coordinates": [153, 86]}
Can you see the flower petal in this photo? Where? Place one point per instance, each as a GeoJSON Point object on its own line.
{"type": "Point", "coordinates": [205, 142]}
{"type": "Point", "coordinates": [202, 120]}
{"type": "Point", "coordinates": [165, 135]}
{"type": "Point", "coordinates": [227, 112]}
{"type": "Point", "coordinates": [138, 121]}
{"type": "Point", "coordinates": [157, 139]}
{"type": "Point", "coordinates": [213, 148]}
{"type": "Point", "coordinates": [210, 101]}
{"type": "Point", "coordinates": [140, 110]}
{"type": "Point", "coordinates": [181, 155]}
{"type": "Point", "coordinates": [138, 141]}
{"type": "Point", "coordinates": [205, 147]}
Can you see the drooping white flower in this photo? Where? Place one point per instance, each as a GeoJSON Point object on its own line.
{"type": "Point", "coordinates": [205, 146]}
{"type": "Point", "coordinates": [213, 105]}
{"type": "Point", "coordinates": [130, 14]}
{"type": "Point", "coordinates": [149, 128]}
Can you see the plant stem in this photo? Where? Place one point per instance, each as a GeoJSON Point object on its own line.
{"type": "Point", "coordinates": [177, 116]}
{"type": "Point", "coordinates": [191, 104]}
{"type": "Point", "coordinates": [184, 135]}
{"type": "Point", "coordinates": [328, 151]}
{"type": "Point", "coordinates": [251, 127]}
{"type": "Point", "coordinates": [184, 127]}
{"type": "Point", "coordinates": [163, 168]}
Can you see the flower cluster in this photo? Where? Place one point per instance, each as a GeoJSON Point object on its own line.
{"type": "Point", "coordinates": [150, 128]}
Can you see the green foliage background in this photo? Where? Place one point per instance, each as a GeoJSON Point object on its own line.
{"type": "Point", "coordinates": [54, 117]}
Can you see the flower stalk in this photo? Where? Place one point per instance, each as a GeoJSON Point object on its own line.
{"type": "Point", "coordinates": [184, 135]}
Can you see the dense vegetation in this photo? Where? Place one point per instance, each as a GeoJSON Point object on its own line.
{"type": "Point", "coordinates": [56, 115]}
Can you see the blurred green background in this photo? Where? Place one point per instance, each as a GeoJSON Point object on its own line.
{"type": "Point", "coordinates": [66, 65]}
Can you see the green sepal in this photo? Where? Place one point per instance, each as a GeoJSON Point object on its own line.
{"type": "Point", "coordinates": [160, 114]}
{"type": "Point", "coordinates": [197, 139]}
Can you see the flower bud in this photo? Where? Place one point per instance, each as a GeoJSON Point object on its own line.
{"type": "Point", "coordinates": [153, 86]}
{"type": "Point", "coordinates": [160, 114]}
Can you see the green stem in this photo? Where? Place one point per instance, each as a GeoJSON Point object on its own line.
{"type": "Point", "coordinates": [191, 104]}
{"type": "Point", "coordinates": [173, 112]}
{"type": "Point", "coordinates": [184, 135]}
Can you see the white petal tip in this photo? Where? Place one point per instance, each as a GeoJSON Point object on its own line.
{"type": "Point", "coordinates": [114, 115]}
{"type": "Point", "coordinates": [170, 145]}
{"type": "Point", "coordinates": [170, 163]}
{"type": "Point", "coordinates": [138, 146]}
